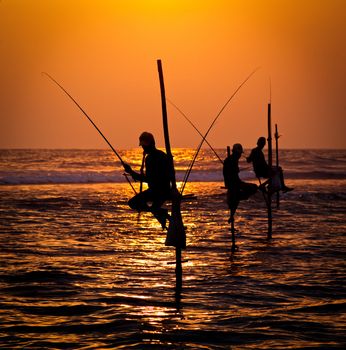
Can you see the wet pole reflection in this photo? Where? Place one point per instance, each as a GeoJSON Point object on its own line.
{"type": "Point", "coordinates": [178, 277]}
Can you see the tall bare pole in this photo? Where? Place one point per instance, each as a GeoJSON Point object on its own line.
{"type": "Point", "coordinates": [270, 163]}
{"type": "Point", "coordinates": [277, 161]}
{"type": "Point", "coordinates": [176, 232]}
{"type": "Point", "coordinates": [232, 210]}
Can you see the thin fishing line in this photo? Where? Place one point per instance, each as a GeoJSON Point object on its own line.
{"type": "Point", "coordinates": [77, 104]}
{"type": "Point", "coordinates": [99, 131]}
{"type": "Point", "coordinates": [184, 115]}
{"type": "Point", "coordinates": [211, 126]}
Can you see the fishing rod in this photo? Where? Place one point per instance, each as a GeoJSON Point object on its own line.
{"type": "Point", "coordinates": [193, 125]}
{"type": "Point", "coordinates": [77, 104]}
{"type": "Point", "coordinates": [211, 126]}
{"type": "Point", "coordinates": [130, 183]}
{"type": "Point", "coordinates": [99, 131]}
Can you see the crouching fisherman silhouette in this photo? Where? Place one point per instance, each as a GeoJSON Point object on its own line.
{"type": "Point", "coordinates": [262, 169]}
{"type": "Point", "coordinates": [237, 189]}
{"type": "Point", "coordinates": [158, 176]}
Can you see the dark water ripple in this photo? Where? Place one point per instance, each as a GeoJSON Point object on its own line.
{"type": "Point", "coordinates": [79, 271]}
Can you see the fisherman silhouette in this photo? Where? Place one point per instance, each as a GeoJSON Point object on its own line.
{"type": "Point", "coordinates": [262, 169]}
{"type": "Point", "coordinates": [237, 189]}
{"type": "Point", "coordinates": [158, 175]}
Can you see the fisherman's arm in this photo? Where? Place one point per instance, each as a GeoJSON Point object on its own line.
{"type": "Point", "coordinates": [136, 176]}
{"type": "Point", "coordinates": [249, 159]}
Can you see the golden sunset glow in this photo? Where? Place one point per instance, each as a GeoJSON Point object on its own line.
{"type": "Point", "coordinates": [105, 52]}
{"type": "Point", "coordinates": [212, 257]}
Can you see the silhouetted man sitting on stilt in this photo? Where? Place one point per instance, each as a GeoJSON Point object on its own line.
{"type": "Point", "coordinates": [262, 169]}
{"type": "Point", "coordinates": [158, 175]}
{"type": "Point", "coordinates": [237, 189]}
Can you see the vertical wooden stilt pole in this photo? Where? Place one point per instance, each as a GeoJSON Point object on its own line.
{"type": "Point", "coordinates": [176, 231]}
{"type": "Point", "coordinates": [270, 164]}
{"type": "Point", "coordinates": [233, 232]}
{"type": "Point", "coordinates": [232, 211]}
{"type": "Point", "coordinates": [277, 162]}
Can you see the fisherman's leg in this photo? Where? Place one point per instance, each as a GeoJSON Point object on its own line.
{"type": "Point", "coordinates": [252, 188]}
{"type": "Point", "coordinates": [233, 209]}
{"type": "Point", "coordinates": [284, 188]}
{"type": "Point", "coordinates": [161, 214]}
{"type": "Point", "coordinates": [140, 201]}
{"type": "Point", "coordinates": [233, 202]}
{"type": "Point", "coordinates": [247, 190]}
{"type": "Point", "coordinates": [263, 185]}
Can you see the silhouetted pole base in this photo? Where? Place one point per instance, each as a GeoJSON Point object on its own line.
{"type": "Point", "coordinates": [176, 236]}
{"type": "Point", "coordinates": [231, 221]}
{"type": "Point", "coordinates": [233, 203]}
{"type": "Point", "coordinates": [178, 271]}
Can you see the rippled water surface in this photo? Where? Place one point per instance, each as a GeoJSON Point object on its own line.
{"type": "Point", "coordinates": [81, 271]}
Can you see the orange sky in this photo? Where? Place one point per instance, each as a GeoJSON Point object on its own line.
{"type": "Point", "coordinates": [104, 53]}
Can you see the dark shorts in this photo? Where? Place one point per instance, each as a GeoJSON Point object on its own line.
{"type": "Point", "coordinates": [242, 192]}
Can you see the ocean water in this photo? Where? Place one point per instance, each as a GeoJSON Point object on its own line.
{"type": "Point", "coordinates": [79, 270]}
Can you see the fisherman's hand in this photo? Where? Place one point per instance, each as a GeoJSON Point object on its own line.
{"type": "Point", "coordinates": [127, 168]}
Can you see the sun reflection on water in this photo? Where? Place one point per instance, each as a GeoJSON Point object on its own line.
{"type": "Point", "coordinates": [78, 261]}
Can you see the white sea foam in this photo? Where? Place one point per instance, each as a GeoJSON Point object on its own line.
{"type": "Point", "coordinates": [99, 166]}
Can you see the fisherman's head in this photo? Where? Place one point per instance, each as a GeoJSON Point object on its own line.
{"type": "Point", "coordinates": [261, 142]}
{"type": "Point", "coordinates": [147, 141]}
{"type": "Point", "coordinates": [237, 149]}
